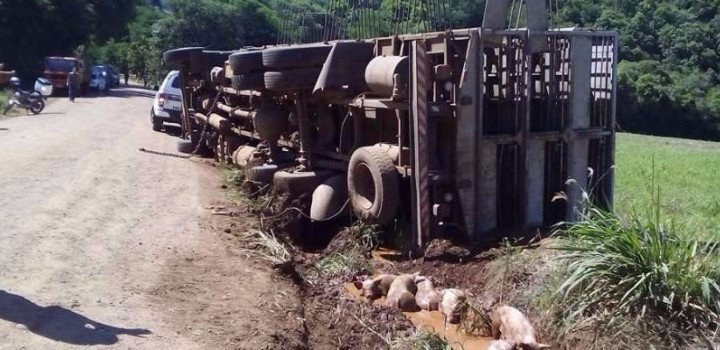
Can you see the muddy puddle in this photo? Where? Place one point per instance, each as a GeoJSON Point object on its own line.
{"type": "Point", "coordinates": [433, 321]}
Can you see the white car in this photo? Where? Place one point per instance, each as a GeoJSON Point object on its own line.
{"type": "Point", "coordinates": [168, 102]}
{"type": "Point", "coordinates": [98, 83]}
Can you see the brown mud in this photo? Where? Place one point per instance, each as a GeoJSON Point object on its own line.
{"type": "Point", "coordinates": [432, 321]}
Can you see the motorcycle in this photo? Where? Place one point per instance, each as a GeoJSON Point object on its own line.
{"type": "Point", "coordinates": [33, 102]}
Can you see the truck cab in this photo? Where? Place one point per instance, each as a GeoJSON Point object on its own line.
{"type": "Point", "coordinates": [58, 68]}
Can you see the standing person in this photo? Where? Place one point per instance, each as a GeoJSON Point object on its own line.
{"type": "Point", "coordinates": [73, 83]}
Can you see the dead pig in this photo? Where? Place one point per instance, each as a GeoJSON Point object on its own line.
{"type": "Point", "coordinates": [402, 293]}
{"type": "Point", "coordinates": [427, 298]}
{"type": "Point", "coordinates": [513, 326]}
{"type": "Point", "coordinates": [374, 288]}
{"type": "Point", "coordinates": [501, 345]}
{"type": "Point", "coordinates": [453, 304]}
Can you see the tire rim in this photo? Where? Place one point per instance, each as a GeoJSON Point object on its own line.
{"type": "Point", "coordinates": [364, 186]}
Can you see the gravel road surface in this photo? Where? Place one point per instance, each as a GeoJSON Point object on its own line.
{"type": "Point", "coordinates": [103, 245]}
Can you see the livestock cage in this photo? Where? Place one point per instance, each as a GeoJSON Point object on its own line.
{"type": "Point", "coordinates": [475, 132]}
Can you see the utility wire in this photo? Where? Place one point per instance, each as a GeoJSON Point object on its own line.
{"type": "Point", "coordinates": [363, 16]}
{"type": "Point", "coordinates": [333, 19]}
{"type": "Point", "coordinates": [424, 6]}
{"type": "Point", "coordinates": [325, 24]}
{"type": "Point", "coordinates": [352, 14]}
{"type": "Point", "coordinates": [408, 16]}
{"type": "Point", "coordinates": [396, 17]}
{"type": "Point", "coordinates": [404, 15]}
{"type": "Point", "coordinates": [433, 14]}
{"type": "Point", "coordinates": [447, 22]}
{"type": "Point", "coordinates": [413, 15]}
{"type": "Point", "coordinates": [520, 10]}
{"type": "Point", "coordinates": [511, 14]}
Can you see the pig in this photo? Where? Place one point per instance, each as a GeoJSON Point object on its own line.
{"type": "Point", "coordinates": [513, 326]}
{"type": "Point", "coordinates": [452, 302]}
{"type": "Point", "coordinates": [402, 293]}
{"type": "Point", "coordinates": [427, 298]}
{"type": "Point", "coordinates": [377, 287]}
{"type": "Point", "coordinates": [501, 345]}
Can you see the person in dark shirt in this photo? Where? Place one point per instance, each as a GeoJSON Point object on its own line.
{"type": "Point", "coordinates": [73, 82]}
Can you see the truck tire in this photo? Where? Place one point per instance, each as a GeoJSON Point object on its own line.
{"type": "Point", "coordinates": [204, 150]}
{"type": "Point", "coordinates": [185, 146]}
{"type": "Point", "coordinates": [292, 80]}
{"type": "Point", "coordinates": [329, 199]}
{"type": "Point", "coordinates": [373, 185]}
{"type": "Point", "coordinates": [299, 182]}
{"type": "Point", "coordinates": [220, 149]}
{"type": "Point", "coordinates": [262, 174]}
{"type": "Point", "coordinates": [246, 62]}
{"type": "Point", "coordinates": [248, 81]}
{"type": "Point", "coordinates": [181, 55]}
{"type": "Point", "coordinates": [296, 56]}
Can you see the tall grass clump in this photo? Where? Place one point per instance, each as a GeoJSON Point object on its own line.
{"type": "Point", "coordinates": [639, 269]}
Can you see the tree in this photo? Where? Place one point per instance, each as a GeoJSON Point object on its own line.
{"type": "Point", "coordinates": [33, 29]}
{"type": "Point", "coordinates": [215, 24]}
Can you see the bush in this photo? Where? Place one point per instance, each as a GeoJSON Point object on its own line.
{"type": "Point", "coordinates": [641, 270]}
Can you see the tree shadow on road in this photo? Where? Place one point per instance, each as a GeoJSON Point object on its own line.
{"type": "Point", "coordinates": [132, 92]}
{"type": "Point", "coordinates": [60, 324]}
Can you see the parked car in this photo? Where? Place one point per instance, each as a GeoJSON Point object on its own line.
{"type": "Point", "coordinates": [112, 77]}
{"type": "Point", "coordinates": [100, 80]}
{"type": "Point", "coordinates": [115, 75]}
{"type": "Point", "coordinates": [168, 102]}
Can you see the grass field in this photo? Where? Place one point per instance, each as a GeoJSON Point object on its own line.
{"type": "Point", "coordinates": [687, 171]}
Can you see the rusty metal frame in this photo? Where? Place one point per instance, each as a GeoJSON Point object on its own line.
{"type": "Point", "coordinates": [420, 84]}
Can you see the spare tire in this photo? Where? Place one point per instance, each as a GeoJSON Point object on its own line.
{"type": "Point", "coordinates": [248, 81]}
{"type": "Point", "coordinates": [245, 62]}
{"type": "Point", "coordinates": [262, 173]}
{"type": "Point", "coordinates": [299, 182]}
{"type": "Point", "coordinates": [296, 56]}
{"type": "Point", "coordinates": [373, 185]}
{"type": "Point", "coordinates": [292, 80]}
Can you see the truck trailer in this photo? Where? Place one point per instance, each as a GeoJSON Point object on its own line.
{"type": "Point", "coordinates": [470, 132]}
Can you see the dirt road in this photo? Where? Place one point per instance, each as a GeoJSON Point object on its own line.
{"type": "Point", "coordinates": [101, 244]}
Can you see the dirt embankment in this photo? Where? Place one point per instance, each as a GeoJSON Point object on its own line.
{"type": "Point", "coordinates": [225, 296]}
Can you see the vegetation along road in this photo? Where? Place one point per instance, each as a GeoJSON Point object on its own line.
{"type": "Point", "coordinates": [101, 244]}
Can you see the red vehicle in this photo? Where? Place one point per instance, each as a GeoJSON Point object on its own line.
{"type": "Point", "coordinates": [5, 75]}
{"type": "Point", "coordinates": [57, 69]}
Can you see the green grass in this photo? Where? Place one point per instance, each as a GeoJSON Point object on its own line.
{"type": "Point", "coordinates": [642, 267]}
{"type": "Point", "coordinates": [3, 98]}
{"type": "Point", "coordinates": [343, 264]}
{"type": "Point", "coordinates": [687, 172]}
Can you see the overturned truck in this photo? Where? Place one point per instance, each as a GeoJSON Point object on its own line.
{"type": "Point", "coordinates": [470, 132]}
